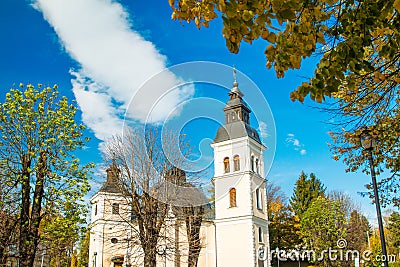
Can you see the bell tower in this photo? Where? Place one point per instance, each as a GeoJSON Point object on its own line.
{"type": "Point", "coordinates": [240, 197]}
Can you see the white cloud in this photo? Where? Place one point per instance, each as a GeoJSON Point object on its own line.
{"type": "Point", "coordinates": [115, 62]}
{"type": "Point", "coordinates": [263, 129]}
{"type": "Point", "coordinates": [295, 144]}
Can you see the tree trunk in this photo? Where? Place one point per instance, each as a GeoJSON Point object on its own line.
{"type": "Point", "coordinates": [150, 258]}
{"type": "Point", "coordinates": [29, 237]}
{"type": "Point", "coordinates": [24, 238]}
{"type": "Point", "coordinates": [7, 237]}
{"type": "Point", "coordinates": [194, 218]}
{"type": "Point", "coordinates": [37, 204]}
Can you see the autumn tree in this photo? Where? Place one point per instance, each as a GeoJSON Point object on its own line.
{"type": "Point", "coordinates": [38, 139]}
{"type": "Point", "coordinates": [307, 189]}
{"type": "Point", "coordinates": [143, 161]}
{"type": "Point", "coordinates": [357, 44]}
{"type": "Point", "coordinates": [394, 232]}
{"type": "Point", "coordinates": [357, 230]}
{"type": "Point", "coordinates": [320, 229]}
{"type": "Point", "coordinates": [355, 39]}
{"type": "Point", "coordinates": [284, 225]}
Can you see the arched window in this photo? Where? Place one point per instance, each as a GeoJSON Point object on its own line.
{"type": "Point", "coordinates": [257, 167]}
{"type": "Point", "coordinates": [252, 163]}
{"type": "Point", "coordinates": [259, 199]}
{"type": "Point", "coordinates": [95, 209]}
{"type": "Point", "coordinates": [236, 163]}
{"type": "Point", "coordinates": [232, 197]}
{"type": "Point", "coordinates": [226, 165]}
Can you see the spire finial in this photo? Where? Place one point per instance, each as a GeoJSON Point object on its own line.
{"type": "Point", "coordinates": [234, 74]}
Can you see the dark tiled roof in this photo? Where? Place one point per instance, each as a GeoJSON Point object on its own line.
{"type": "Point", "coordinates": [235, 130]}
{"type": "Point", "coordinates": [110, 188]}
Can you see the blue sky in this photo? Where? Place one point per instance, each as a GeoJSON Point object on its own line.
{"type": "Point", "coordinates": [100, 52]}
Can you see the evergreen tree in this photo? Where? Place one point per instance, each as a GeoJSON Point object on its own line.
{"type": "Point", "coordinates": [306, 190]}
{"type": "Point", "coordinates": [394, 232]}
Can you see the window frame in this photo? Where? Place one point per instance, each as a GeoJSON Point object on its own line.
{"type": "Point", "coordinates": [227, 167]}
{"type": "Point", "coordinates": [259, 199]}
{"type": "Point", "coordinates": [260, 235]}
{"type": "Point", "coordinates": [232, 197]}
{"type": "Point", "coordinates": [236, 163]}
{"type": "Point", "coordinates": [115, 208]}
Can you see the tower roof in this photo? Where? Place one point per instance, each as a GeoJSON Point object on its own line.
{"type": "Point", "coordinates": [236, 130]}
{"type": "Point", "coordinates": [237, 118]}
{"type": "Point", "coordinates": [111, 184]}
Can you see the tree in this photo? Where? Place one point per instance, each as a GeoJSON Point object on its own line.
{"type": "Point", "coordinates": [59, 237]}
{"type": "Point", "coordinates": [38, 138]}
{"type": "Point", "coordinates": [193, 219]}
{"type": "Point", "coordinates": [284, 225]}
{"type": "Point", "coordinates": [321, 228]}
{"type": "Point", "coordinates": [357, 43]}
{"type": "Point", "coordinates": [375, 250]}
{"type": "Point", "coordinates": [83, 249]}
{"type": "Point", "coordinates": [357, 230]}
{"type": "Point", "coordinates": [306, 190]}
{"type": "Point", "coordinates": [143, 160]}
{"type": "Point", "coordinates": [353, 38]}
{"type": "Point", "coordinates": [345, 202]}
{"type": "Point", "coordinates": [8, 215]}
{"type": "Point", "coordinates": [394, 232]}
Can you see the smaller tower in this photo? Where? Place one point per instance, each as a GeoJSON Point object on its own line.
{"type": "Point", "coordinates": [108, 223]}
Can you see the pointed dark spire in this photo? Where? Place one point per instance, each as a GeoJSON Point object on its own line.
{"type": "Point", "coordinates": [235, 92]}
{"type": "Point", "coordinates": [237, 117]}
{"type": "Point", "coordinates": [236, 109]}
{"type": "Point", "coordinates": [111, 184]}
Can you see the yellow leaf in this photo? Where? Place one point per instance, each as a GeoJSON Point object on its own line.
{"type": "Point", "coordinates": [397, 5]}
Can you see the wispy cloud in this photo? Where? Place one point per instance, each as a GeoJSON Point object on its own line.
{"type": "Point", "coordinates": [295, 143]}
{"type": "Point", "coordinates": [262, 128]}
{"type": "Point", "coordinates": [114, 62]}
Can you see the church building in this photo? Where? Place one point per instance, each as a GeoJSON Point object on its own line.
{"type": "Point", "coordinates": [237, 232]}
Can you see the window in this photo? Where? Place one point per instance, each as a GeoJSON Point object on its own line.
{"type": "Point", "coordinates": [260, 235]}
{"type": "Point", "coordinates": [114, 240]}
{"type": "Point", "coordinates": [257, 167]}
{"type": "Point", "coordinates": [236, 163]}
{"type": "Point", "coordinates": [95, 209]}
{"type": "Point", "coordinates": [226, 165]}
{"type": "Point", "coordinates": [115, 208]}
{"type": "Point", "coordinates": [259, 199]}
{"type": "Point", "coordinates": [232, 197]}
{"type": "Point", "coordinates": [252, 163]}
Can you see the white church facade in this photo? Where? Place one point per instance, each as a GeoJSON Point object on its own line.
{"type": "Point", "coordinates": [237, 232]}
